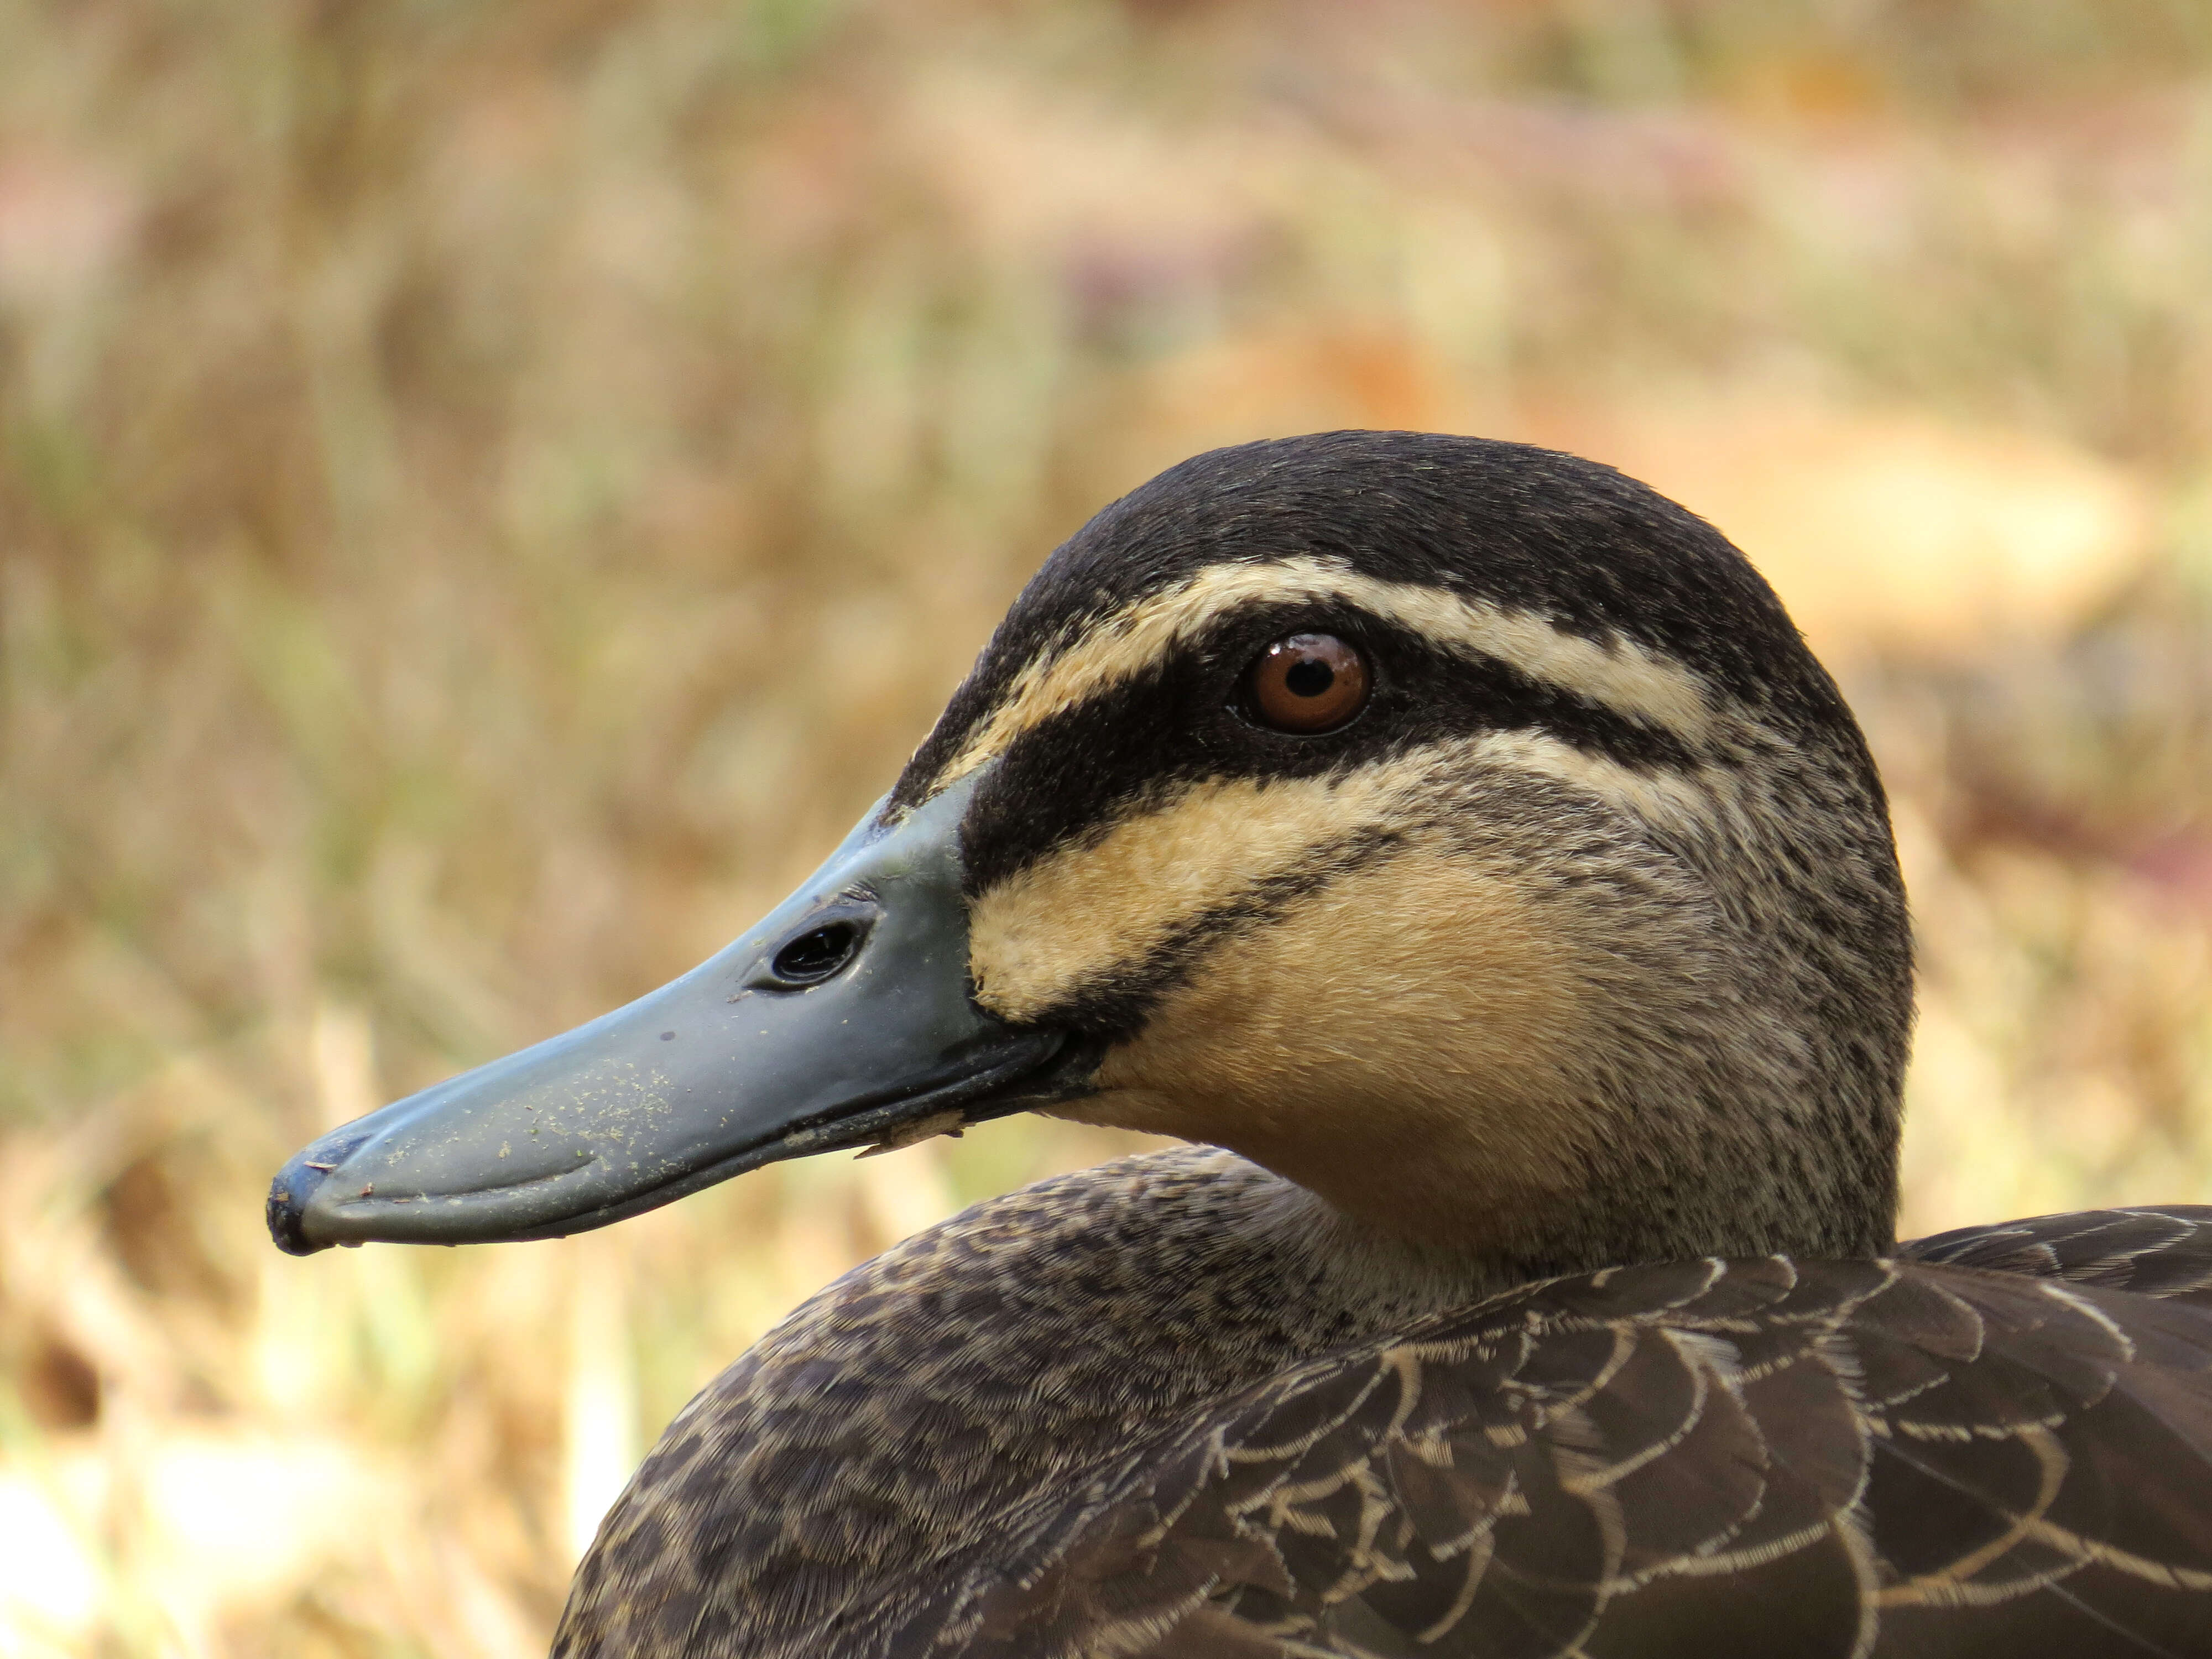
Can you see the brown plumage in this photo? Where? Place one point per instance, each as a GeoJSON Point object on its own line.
{"type": "Point", "coordinates": [1165, 1408]}
{"type": "Point", "coordinates": [1544, 997]}
{"type": "Point", "coordinates": [1817, 1458]}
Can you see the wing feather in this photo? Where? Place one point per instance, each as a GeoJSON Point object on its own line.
{"type": "Point", "coordinates": [2165, 1252]}
{"type": "Point", "coordinates": [1867, 1460]}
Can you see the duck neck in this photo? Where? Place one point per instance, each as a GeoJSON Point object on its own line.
{"type": "Point", "coordinates": [1360, 1272]}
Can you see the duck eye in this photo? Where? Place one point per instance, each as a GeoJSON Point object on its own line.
{"type": "Point", "coordinates": [1307, 684]}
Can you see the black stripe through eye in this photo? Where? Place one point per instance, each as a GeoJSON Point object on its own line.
{"type": "Point", "coordinates": [1177, 724]}
{"type": "Point", "coordinates": [1597, 555]}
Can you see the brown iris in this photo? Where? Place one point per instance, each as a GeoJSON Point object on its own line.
{"type": "Point", "coordinates": [1307, 684]}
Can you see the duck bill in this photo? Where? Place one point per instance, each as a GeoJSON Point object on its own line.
{"type": "Point", "coordinates": [844, 1018]}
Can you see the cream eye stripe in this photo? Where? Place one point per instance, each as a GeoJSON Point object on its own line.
{"type": "Point", "coordinates": [1154, 872]}
{"type": "Point", "coordinates": [1620, 675]}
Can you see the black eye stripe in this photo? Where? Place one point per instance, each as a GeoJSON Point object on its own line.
{"type": "Point", "coordinates": [1177, 723]}
{"type": "Point", "coordinates": [1599, 555]}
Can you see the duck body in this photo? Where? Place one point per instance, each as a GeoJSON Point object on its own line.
{"type": "Point", "coordinates": [1458, 844]}
{"type": "Point", "coordinates": [1169, 1406]}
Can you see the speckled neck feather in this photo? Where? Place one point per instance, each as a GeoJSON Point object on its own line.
{"type": "Point", "coordinates": [920, 1407]}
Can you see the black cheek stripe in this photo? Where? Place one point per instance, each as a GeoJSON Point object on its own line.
{"type": "Point", "coordinates": [1113, 1003]}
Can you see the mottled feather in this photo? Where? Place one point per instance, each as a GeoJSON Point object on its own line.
{"type": "Point", "coordinates": [1141, 1410]}
{"type": "Point", "coordinates": [1837, 1458]}
{"type": "Point", "coordinates": [2164, 1251]}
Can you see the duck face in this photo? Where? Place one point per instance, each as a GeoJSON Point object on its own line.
{"type": "Point", "coordinates": [1458, 829]}
{"type": "Point", "coordinates": [1339, 871]}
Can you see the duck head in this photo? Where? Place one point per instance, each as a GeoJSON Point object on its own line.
{"type": "Point", "coordinates": [1460, 830]}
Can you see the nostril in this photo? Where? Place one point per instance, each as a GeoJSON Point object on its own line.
{"type": "Point", "coordinates": [817, 954]}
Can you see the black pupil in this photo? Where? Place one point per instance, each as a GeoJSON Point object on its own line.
{"type": "Point", "coordinates": [1309, 678]}
{"type": "Point", "coordinates": [816, 954]}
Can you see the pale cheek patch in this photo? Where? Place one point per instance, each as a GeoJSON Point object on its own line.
{"type": "Point", "coordinates": [1404, 1038]}
{"type": "Point", "coordinates": [1107, 907]}
{"type": "Point", "coordinates": [1093, 908]}
{"type": "Point", "coordinates": [1618, 675]}
{"type": "Point", "coordinates": [1423, 1011]}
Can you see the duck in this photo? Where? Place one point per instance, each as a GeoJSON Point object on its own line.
{"type": "Point", "coordinates": [1455, 849]}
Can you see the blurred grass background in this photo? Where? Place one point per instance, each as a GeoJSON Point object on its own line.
{"type": "Point", "coordinates": [489, 491]}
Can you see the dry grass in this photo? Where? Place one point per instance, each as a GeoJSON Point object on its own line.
{"type": "Point", "coordinates": [489, 491]}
